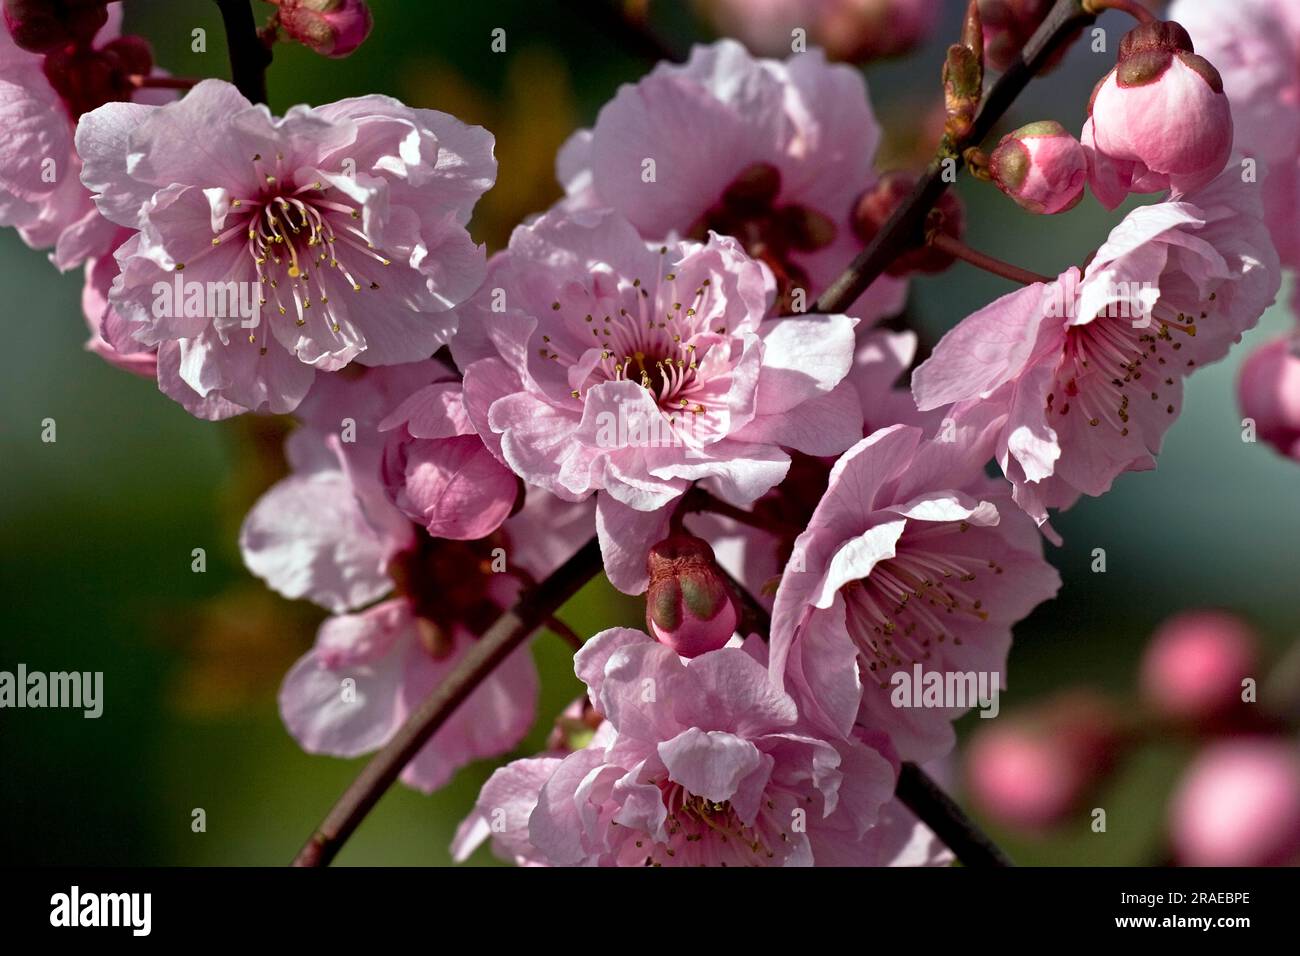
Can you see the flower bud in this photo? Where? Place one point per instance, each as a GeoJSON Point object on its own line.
{"type": "Point", "coordinates": [87, 78]}
{"type": "Point", "coordinates": [1239, 805]}
{"type": "Point", "coordinates": [877, 204]}
{"type": "Point", "coordinates": [1159, 120]}
{"type": "Point", "coordinates": [1193, 668]}
{"type": "Point", "coordinates": [1041, 167]}
{"type": "Point", "coordinates": [332, 28]}
{"type": "Point", "coordinates": [688, 606]}
{"type": "Point", "coordinates": [40, 26]}
{"type": "Point", "coordinates": [1269, 392]}
{"type": "Point", "coordinates": [454, 487]}
{"type": "Point", "coordinates": [1030, 772]}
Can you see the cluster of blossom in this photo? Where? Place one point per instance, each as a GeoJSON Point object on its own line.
{"type": "Point", "coordinates": [1199, 680]}
{"type": "Point", "coordinates": [640, 363]}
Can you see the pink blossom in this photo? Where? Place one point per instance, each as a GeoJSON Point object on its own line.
{"type": "Point", "coordinates": [1031, 771]}
{"type": "Point", "coordinates": [789, 148]}
{"type": "Point", "coordinates": [41, 194]}
{"type": "Point", "coordinates": [1041, 167]}
{"type": "Point", "coordinates": [1238, 804]}
{"type": "Point", "coordinates": [328, 533]}
{"type": "Point", "coordinates": [347, 220]}
{"type": "Point", "coordinates": [1269, 392]}
{"type": "Point", "coordinates": [709, 766]}
{"type": "Point", "coordinates": [1159, 120]}
{"type": "Point", "coordinates": [912, 557]}
{"type": "Point", "coordinates": [595, 362]}
{"type": "Point", "coordinates": [1087, 370]}
{"type": "Point", "coordinates": [1194, 667]}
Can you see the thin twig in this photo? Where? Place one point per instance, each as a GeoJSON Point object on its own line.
{"type": "Point", "coordinates": [906, 227]}
{"type": "Point", "coordinates": [249, 55]}
{"type": "Point", "coordinates": [535, 606]}
{"type": "Point", "coordinates": [955, 247]}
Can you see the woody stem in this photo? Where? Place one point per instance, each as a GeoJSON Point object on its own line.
{"type": "Point", "coordinates": [955, 247]}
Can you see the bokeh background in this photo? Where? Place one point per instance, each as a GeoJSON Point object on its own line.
{"type": "Point", "coordinates": [98, 528]}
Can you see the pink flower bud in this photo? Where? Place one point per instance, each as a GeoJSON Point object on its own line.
{"type": "Point", "coordinates": [1269, 391]}
{"type": "Point", "coordinates": [1030, 772]}
{"type": "Point", "coordinates": [1239, 805]}
{"type": "Point", "coordinates": [87, 78]}
{"type": "Point", "coordinates": [1159, 120]}
{"type": "Point", "coordinates": [1194, 665]}
{"type": "Point", "coordinates": [332, 28]}
{"type": "Point", "coordinates": [41, 26]}
{"type": "Point", "coordinates": [877, 204]}
{"type": "Point", "coordinates": [453, 486]}
{"type": "Point", "coordinates": [1041, 167]}
{"type": "Point", "coordinates": [688, 606]}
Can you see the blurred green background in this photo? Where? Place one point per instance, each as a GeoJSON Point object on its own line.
{"type": "Point", "coordinates": [99, 526]}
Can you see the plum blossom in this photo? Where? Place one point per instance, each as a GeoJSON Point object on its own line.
{"type": "Point", "coordinates": [788, 148]}
{"type": "Point", "coordinates": [406, 607]}
{"type": "Point", "coordinates": [595, 362]}
{"type": "Point", "coordinates": [698, 762]}
{"type": "Point", "coordinates": [1087, 371]}
{"type": "Point", "coordinates": [41, 194]}
{"type": "Point", "coordinates": [912, 557]}
{"type": "Point", "coordinates": [347, 221]}
{"type": "Point", "coordinates": [1159, 120]}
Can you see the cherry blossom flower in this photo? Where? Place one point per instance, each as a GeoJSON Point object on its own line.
{"type": "Point", "coordinates": [347, 223]}
{"type": "Point", "coordinates": [41, 194]}
{"type": "Point", "coordinates": [912, 557]}
{"type": "Point", "coordinates": [789, 148]}
{"type": "Point", "coordinates": [1088, 370]}
{"type": "Point", "coordinates": [595, 362]}
{"type": "Point", "coordinates": [328, 533]}
{"type": "Point", "coordinates": [698, 762]}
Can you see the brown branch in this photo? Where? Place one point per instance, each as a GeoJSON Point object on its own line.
{"type": "Point", "coordinates": [955, 247]}
{"type": "Point", "coordinates": [949, 822]}
{"type": "Point", "coordinates": [533, 609]}
{"type": "Point", "coordinates": [905, 229]}
{"type": "Point", "coordinates": [249, 54]}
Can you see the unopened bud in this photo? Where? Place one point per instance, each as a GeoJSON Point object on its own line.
{"type": "Point", "coordinates": [688, 606]}
{"type": "Point", "coordinates": [40, 26]}
{"type": "Point", "coordinates": [1269, 392]}
{"type": "Point", "coordinates": [332, 28]}
{"type": "Point", "coordinates": [1041, 167]}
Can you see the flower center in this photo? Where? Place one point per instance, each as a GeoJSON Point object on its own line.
{"type": "Point", "coordinates": [1108, 363]}
{"type": "Point", "coordinates": [447, 585]}
{"type": "Point", "coordinates": [910, 602]}
{"type": "Point", "coordinates": [303, 241]}
{"type": "Point", "coordinates": [704, 833]}
{"type": "Point", "coordinates": [772, 233]}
